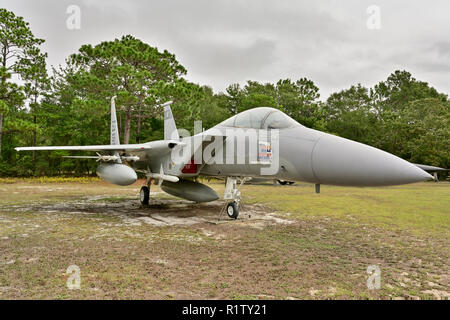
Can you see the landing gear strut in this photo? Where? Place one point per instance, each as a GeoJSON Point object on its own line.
{"type": "Point", "coordinates": [232, 193]}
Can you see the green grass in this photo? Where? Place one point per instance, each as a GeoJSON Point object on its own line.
{"type": "Point", "coordinates": [419, 208]}
{"type": "Point", "coordinates": [323, 253]}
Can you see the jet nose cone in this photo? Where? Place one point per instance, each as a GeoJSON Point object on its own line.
{"type": "Point", "coordinates": [340, 161]}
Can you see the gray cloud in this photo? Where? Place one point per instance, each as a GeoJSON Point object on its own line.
{"type": "Point", "coordinates": [250, 59]}
{"type": "Point", "coordinates": [441, 48]}
{"type": "Point", "coordinates": [226, 41]}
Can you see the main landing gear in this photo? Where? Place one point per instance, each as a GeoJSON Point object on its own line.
{"type": "Point", "coordinates": [144, 194]}
{"type": "Point", "coordinates": [284, 182]}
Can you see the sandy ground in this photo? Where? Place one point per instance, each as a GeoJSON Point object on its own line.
{"type": "Point", "coordinates": [177, 249]}
{"type": "Point", "coordinates": [160, 213]}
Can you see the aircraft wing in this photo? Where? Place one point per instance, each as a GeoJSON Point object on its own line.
{"type": "Point", "coordinates": [155, 147]}
{"type": "Point", "coordinates": [162, 145]}
{"type": "Point", "coordinates": [123, 147]}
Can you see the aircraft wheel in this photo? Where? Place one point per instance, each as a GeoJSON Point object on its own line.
{"type": "Point", "coordinates": [144, 195]}
{"type": "Point", "coordinates": [232, 210]}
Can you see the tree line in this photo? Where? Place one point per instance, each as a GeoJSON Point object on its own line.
{"type": "Point", "coordinates": [70, 106]}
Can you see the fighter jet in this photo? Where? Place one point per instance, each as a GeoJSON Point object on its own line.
{"type": "Point", "coordinates": [257, 143]}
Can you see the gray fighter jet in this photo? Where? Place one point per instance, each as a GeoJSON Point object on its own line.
{"type": "Point", "coordinates": [260, 143]}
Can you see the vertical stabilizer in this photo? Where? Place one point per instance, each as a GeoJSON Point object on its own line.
{"type": "Point", "coordinates": [114, 128]}
{"type": "Point", "coordinates": [170, 129]}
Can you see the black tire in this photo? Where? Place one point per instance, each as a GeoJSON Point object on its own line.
{"type": "Point", "coordinates": [144, 195]}
{"type": "Point", "coordinates": [232, 210]}
{"type": "Point", "coordinates": [282, 182]}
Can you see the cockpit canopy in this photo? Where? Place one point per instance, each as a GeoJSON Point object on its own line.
{"type": "Point", "coordinates": [260, 118]}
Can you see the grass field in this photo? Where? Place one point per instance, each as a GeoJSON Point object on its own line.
{"type": "Point", "coordinates": [296, 244]}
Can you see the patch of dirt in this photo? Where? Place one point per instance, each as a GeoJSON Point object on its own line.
{"type": "Point", "coordinates": [176, 249]}
{"type": "Point", "coordinates": [160, 213]}
{"type": "Point", "coordinates": [438, 294]}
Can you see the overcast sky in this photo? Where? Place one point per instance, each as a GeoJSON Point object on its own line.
{"type": "Point", "coordinates": [226, 41]}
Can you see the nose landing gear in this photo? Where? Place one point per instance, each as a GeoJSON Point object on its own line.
{"type": "Point", "coordinates": [232, 210]}
{"type": "Point", "coordinates": [232, 193]}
